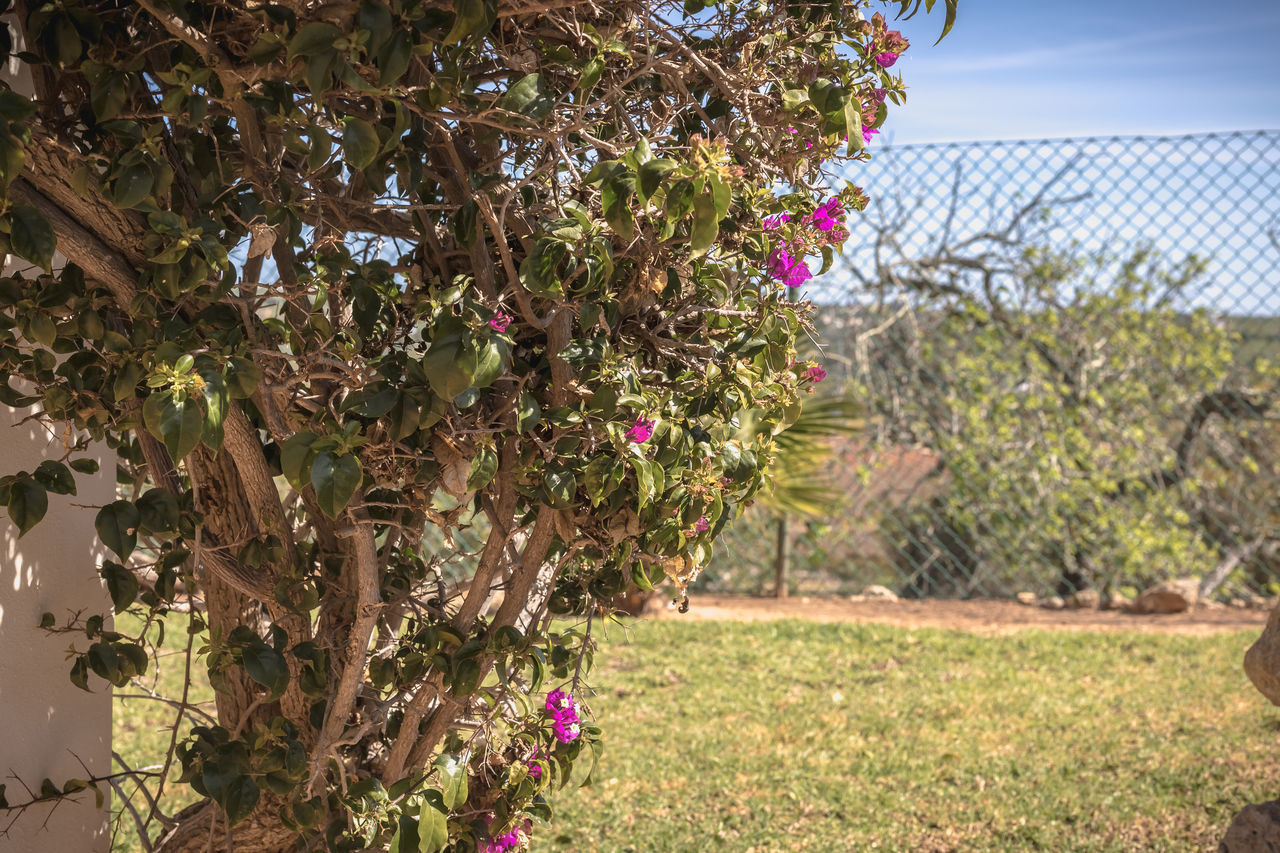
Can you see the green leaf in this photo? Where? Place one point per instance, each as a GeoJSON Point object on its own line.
{"type": "Point", "coordinates": [179, 425]}
{"type": "Point", "coordinates": [950, 20]}
{"type": "Point", "coordinates": [133, 660]}
{"type": "Point", "coordinates": [706, 225]}
{"type": "Point", "coordinates": [267, 666]}
{"type": "Point", "coordinates": [794, 99]}
{"type": "Point", "coordinates": [28, 502]}
{"type": "Point", "coordinates": [528, 414]}
{"type": "Point", "coordinates": [80, 674]}
{"type": "Point", "coordinates": [15, 108]}
{"type": "Point", "coordinates": [158, 512]}
{"type": "Point", "coordinates": [433, 828]}
{"type": "Point", "coordinates": [122, 585]}
{"type": "Point", "coordinates": [242, 377]}
{"type": "Point", "coordinates": [360, 142]}
{"type": "Point", "coordinates": [313, 38]}
{"type": "Point", "coordinates": [394, 58]}
{"type": "Point", "coordinates": [406, 839]}
{"type": "Point", "coordinates": [375, 19]}
{"type": "Point", "coordinates": [134, 186]}
{"type": "Point", "coordinates": [591, 73]}
{"type": "Point", "coordinates": [294, 455]}
{"type": "Point", "coordinates": [472, 17]}
{"type": "Point", "coordinates": [335, 479]}
{"type": "Point", "coordinates": [605, 170]}
{"type": "Point", "coordinates": [483, 466]}
{"type": "Point", "coordinates": [538, 271]}
{"type": "Point", "coordinates": [117, 526]}
{"type": "Point", "coordinates": [107, 95]}
{"type": "Point", "coordinates": [239, 799]}
{"type": "Point", "coordinates": [490, 363]}
{"type": "Point", "coordinates": [405, 416]}
{"type": "Point", "coordinates": [528, 96]}
{"type": "Point", "coordinates": [596, 479]}
{"type": "Point", "coordinates": [449, 364]}
{"type": "Point", "coordinates": [853, 123]}
{"type": "Point", "coordinates": [125, 385]}
{"type": "Point", "coordinates": [55, 477]}
{"type": "Point", "coordinates": [559, 488]}
{"type": "Point", "coordinates": [370, 403]}
{"type": "Point", "coordinates": [41, 329]}
{"type": "Point", "coordinates": [615, 197]}
{"type": "Point", "coordinates": [644, 481]}
{"type": "Point", "coordinates": [104, 661]}
{"type": "Point", "coordinates": [453, 780]}
{"type": "Point", "coordinates": [828, 98]}
{"type": "Point", "coordinates": [31, 236]}
{"type": "Point", "coordinates": [217, 399]}
{"type": "Point", "coordinates": [652, 173]}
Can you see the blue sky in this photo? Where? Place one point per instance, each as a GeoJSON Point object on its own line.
{"type": "Point", "coordinates": [1019, 69]}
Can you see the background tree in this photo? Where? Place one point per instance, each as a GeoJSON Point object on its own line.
{"type": "Point", "coordinates": [1081, 416]}
{"type": "Point", "coordinates": [389, 306]}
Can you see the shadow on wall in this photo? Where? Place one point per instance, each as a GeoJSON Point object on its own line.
{"type": "Point", "coordinates": [50, 726]}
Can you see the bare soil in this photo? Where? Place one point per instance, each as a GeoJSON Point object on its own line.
{"type": "Point", "coordinates": [978, 616]}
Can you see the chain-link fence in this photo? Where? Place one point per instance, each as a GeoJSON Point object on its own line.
{"type": "Point", "coordinates": [1065, 355]}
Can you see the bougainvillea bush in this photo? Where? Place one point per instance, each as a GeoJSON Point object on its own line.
{"type": "Point", "coordinates": [412, 325]}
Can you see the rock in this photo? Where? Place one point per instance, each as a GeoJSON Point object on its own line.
{"type": "Point", "coordinates": [1027, 598]}
{"type": "Point", "coordinates": [1117, 601]}
{"type": "Point", "coordinates": [1262, 660]}
{"type": "Point", "coordinates": [1053, 602]}
{"type": "Point", "coordinates": [881, 592]}
{"type": "Point", "coordinates": [635, 602]}
{"type": "Point", "coordinates": [1255, 830]}
{"type": "Point", "coordinates": [1086, 599]}
{"type": "Point", "coordinates": [1238, 602]}
{"type": "Point", "coordinates": [1173, 596]}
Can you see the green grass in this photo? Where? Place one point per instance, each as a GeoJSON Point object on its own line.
{"type": "Point", "coordinates": [795, 736]}
{"type": "Point", "coordinates": [789, 736]}
{"type": "Point", "coordinates": [142, 727]}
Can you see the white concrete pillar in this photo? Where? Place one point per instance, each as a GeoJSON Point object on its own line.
{"type": "Point", "coordinates": [49, 729]}
{"type": "Point", "coordinates": [50, 726]}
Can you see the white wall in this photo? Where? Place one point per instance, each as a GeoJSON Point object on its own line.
{"type": "Point", "coordinates": [50, 726]}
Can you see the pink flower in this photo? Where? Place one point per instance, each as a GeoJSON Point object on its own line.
{"type": "Point", "coordinates": [792, 272]}
{"type": "Point", "coordinates": [567, 730]}
{"type": "Point", "coordinates": [772, 223]}
{"type": "Point", "coordinates": [826, 217]}
{"type": "Point", "coordinates": [867, 133]}
{"type": "Point", "coordinates": [564, 711]}
{"type": "Point", "coordinates": [701, 525]}
{"type": "Point", "coordinates": [500, 321]}
{"type": "Point", "coordinates": [816, 373]}
{"type": "Point", "coordinates": [886, 58]}
{"type": "Point", "coordinates": [532, 765]}
{"type": "Point", "coordinates": [558, 701]}
{"type": "Point", "coordinates": [640, 431]}
{"type": "Point", "coordinates": [502, 843]}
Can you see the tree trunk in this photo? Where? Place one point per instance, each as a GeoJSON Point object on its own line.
{"type": "Point", "coordinates": [203, 827]}
{"type": "Point", "coordinates": [780, 560]}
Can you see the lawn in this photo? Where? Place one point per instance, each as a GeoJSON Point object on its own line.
{"type": "Point", "coordinates": [791, 736]}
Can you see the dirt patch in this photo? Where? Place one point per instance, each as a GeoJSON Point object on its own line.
{"type": "Point", "coordinates": [979, 617]}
